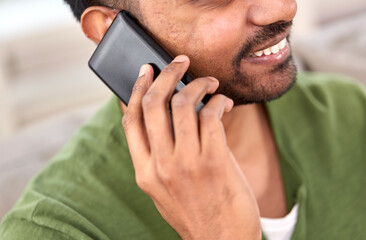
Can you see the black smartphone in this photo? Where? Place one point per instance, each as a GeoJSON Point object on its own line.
{"type": "Point", "coordinates": [123, 50]}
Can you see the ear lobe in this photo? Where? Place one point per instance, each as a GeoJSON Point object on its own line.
{"type": "Point", "coordinates": [95, 22]}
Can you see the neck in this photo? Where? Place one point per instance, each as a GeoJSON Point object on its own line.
{"type": "Point", "coordinates": [251, 141]}
{"type": "Point", "coordinates": [248, 130]}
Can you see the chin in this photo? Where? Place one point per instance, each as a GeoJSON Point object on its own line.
{"type": "Point", "coordinates": [246, 89]}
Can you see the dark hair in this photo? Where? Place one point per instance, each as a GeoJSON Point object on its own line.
{"type": "Point", "coordinates": [79, 6]}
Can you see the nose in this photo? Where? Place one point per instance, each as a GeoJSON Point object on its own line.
{"type": "Point", "coordinates": [265, 12]}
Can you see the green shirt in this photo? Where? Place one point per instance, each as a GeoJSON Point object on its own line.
{"type": "Point", "coordinates": [88, 190]}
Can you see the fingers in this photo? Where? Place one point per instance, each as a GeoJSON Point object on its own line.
{"type": "Point", "coordinates": [147, 121]}
{"type": "Point", "coordinates": [211, 128]}
{"type": "Point", "coordinates": [185, 120]}
{"type": "Point", "coordinates": [155, 106]}
{"type": "Point", "coordinates": [133, 120]}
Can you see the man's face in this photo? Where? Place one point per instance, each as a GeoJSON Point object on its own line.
{"type": "Point", "coordinates": [221, 38]}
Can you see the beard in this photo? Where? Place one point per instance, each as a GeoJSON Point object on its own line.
{"type": "Point", "coordinates": [245, 87]}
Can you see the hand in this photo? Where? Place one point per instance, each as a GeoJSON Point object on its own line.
{"type": "Point", "coordinates": [193, 178]}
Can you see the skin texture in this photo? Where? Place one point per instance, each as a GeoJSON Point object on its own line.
{"type": "Point", "coordinates": [218, 185]}
{"type": "Point", "coordinates": [213, 33]}
{"type": "Point", "coordinates": [198, 187]}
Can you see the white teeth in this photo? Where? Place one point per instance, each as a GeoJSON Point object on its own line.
{"type": "Point", "coordinates": [282, 44]}
{"type": "Point", "coordinates": [259, 53]}
{"type": "Point", "coordinates": [272, 50]}
{"type": "Point", "coordinates": [275, 49]}
{"type": "Point", "coordinates": [267, 51]}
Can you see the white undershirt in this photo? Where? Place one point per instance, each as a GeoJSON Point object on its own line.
{"type": "Point", "coordinates": [280, 228]}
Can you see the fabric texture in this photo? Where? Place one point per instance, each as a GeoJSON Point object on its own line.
{"type": "Point", "coordinates": [88, 190]}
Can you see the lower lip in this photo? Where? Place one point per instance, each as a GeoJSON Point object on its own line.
{"type": "Point", "coordinates": [273, 59]}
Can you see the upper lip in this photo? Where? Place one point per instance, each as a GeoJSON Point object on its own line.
{"type": "Point", "coordinates": [270, 43]}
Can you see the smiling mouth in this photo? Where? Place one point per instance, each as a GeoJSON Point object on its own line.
{"type": "Point", "coordinates": [271, 50]}
{"type": "Point", "coordinates": [269, 56]}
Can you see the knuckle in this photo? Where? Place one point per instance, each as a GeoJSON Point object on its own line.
{"type": "Point", "coordinates": [164, 174]}
{"type": "Point", "coordinates": [186, 170]}
{"type": "Point", "coordinates": [170, 68]}
{"type": "Point", "coordinates": [143, 182]}
{"type": "Point", "coordinates": [180, 99]}
{"type": "Point", "coordinates": [201, 171]}
{"type": "Point", "coordinates": [138, 88]}
{"type": "Point", "coordinates": [211, 164]}
{"type": "Point", "coordinates": [150, 99]}
{"type": "Point", "coordinates": [210, 84]}
{"type": "Point", "coordinates": [208, 114]}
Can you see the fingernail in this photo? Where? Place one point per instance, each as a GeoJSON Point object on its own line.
{"type": "Point", "coordinates": [142, 70]}
{"type": "Point", "coordinates": [180, 59]}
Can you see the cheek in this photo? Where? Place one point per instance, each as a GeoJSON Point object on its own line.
{"type": "Point", "coordinates": [211, 40]}
{"type": "Point", "coordinates": [214, 47]}
{"type": "Point", "coordinates": [220, 35]}
{"type": "Point", "coordinates": [167, 26]}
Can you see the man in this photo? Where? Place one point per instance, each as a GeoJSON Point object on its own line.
{"type": "Point", "coordinates": [231, 170]}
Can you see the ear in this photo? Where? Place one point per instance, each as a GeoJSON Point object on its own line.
{"type": "Point", "coordinates": [95, 22]}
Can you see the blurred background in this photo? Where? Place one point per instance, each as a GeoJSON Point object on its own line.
{"type": "Point", "coordinates": [47, 89]}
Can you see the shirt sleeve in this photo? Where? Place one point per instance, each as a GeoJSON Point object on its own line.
{"type": "Point", "coordinates": [15, 229]}
{"type": "Point", "coordinates": [88, 191]}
